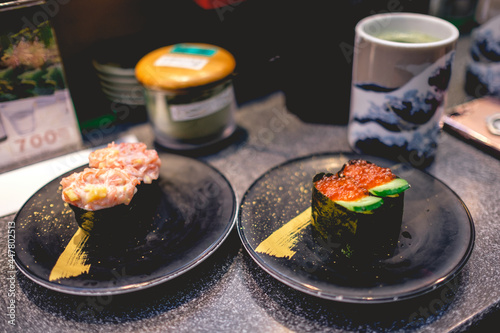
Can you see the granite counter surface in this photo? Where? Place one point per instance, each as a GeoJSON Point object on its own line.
{"type": "Point", "coordinates": [229, 293]}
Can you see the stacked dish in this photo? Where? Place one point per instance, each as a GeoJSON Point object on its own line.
{"type": "Point", "coordinates": [118, 83]}
{"type": "Point", "coordinates": [114, 61]}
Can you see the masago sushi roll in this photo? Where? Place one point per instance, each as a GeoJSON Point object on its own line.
{"type": "Point", "coordinates": [135, 158]}
{"type": "Point", "coordinates": [380, 182]}
{"type": "Point", "coordinates": [98, 197]}
{"type": "Point", "coordinates": [359, 208]}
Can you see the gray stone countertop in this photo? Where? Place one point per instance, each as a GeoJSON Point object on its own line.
{"type": "Point", "coordinates": [229, 292]}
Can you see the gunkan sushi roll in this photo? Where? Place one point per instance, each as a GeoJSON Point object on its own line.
{"type": "Point", "coordinates": [360, 208]}
{"type": "Point", "coordinates": [380, 182]}
{"type": "Point", "coordinates": [340, 208]}
{"type": "Point", "coordinates": [99, 196]}
{"type": "Point", "coordinates": [135, 158]}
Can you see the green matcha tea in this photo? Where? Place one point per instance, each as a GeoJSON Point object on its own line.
{"type": "Point", "coordinates": [407, 37]}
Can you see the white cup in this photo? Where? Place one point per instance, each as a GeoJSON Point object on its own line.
{"type": "Point", "coordinates": [401, 70]}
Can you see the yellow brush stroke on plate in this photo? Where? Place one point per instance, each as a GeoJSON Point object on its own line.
{"type": "Point", "coordinates": [281, 242]}
{"type": "Point", "coordinates": [73, 261]}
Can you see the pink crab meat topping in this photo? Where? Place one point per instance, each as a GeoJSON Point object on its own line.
{"type": "Point", "coordinates": [134, 158]}
{"type": "Point", "coordinates": [94, 189]}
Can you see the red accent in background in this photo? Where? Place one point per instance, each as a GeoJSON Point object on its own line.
{"type": "Point", "coordinates": [212, 4]}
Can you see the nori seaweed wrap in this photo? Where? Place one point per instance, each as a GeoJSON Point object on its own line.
{"type": "Point", "coordinates": [103, 221]}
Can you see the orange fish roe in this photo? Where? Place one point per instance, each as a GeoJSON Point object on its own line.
{"type": "Point", "coordinates": [337, 188]}
{"type": "Point", "coordinates": [366, 174]}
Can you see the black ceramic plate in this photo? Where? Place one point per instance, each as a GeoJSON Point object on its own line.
{"type": "Point", "coordinates": [435, 240]}
{"type": "Point", "coordinates": [182, 219]}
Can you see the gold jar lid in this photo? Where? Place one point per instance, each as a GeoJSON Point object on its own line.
{"type": "Point", "coordinates": [184, 65]}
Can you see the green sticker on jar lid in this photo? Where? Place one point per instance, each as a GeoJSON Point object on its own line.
{"type": "Point", "coordinates": [193, 50]}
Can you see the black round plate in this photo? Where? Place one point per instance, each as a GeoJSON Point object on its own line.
{"type": "Point", "coordinates": [182, 219]}
{"type": "Point", "coordinates": [435, 240]}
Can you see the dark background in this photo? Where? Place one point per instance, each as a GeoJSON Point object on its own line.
{"type": "Point", "coordinates": [303, 48]}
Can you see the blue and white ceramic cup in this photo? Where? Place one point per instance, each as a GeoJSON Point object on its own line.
{"type": "Point", "coordinates": [482, 75]}
{"type": "Point", "coordinates": [401, 71]}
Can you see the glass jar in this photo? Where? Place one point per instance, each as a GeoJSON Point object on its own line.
{"type": "Point", "coordinates": [189, 94]}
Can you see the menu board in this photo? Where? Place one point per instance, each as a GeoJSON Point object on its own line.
{"type": "Point", "coordinates": [37, 117]}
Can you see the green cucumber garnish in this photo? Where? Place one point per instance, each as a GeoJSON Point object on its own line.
{"type": "Point", "coordinates": [362, 205]}
{"type": "Point", "coordinates": [395, 186]}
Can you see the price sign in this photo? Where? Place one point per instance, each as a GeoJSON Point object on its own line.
{"type": "Point", "coordinates": [40, 141]}
{"type": "Point", "coordinates": [36, 127]}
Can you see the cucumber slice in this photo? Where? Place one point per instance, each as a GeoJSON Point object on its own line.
{"type": "Point", "coordinates": [362, 205]}
{"type": "Point", "coordinates": [395, 186]}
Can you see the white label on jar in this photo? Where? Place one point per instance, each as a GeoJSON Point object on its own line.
{"type": "Point", "coordinates": [183, 112]}
{"type": "Point", "coordinates": [169, 60]}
